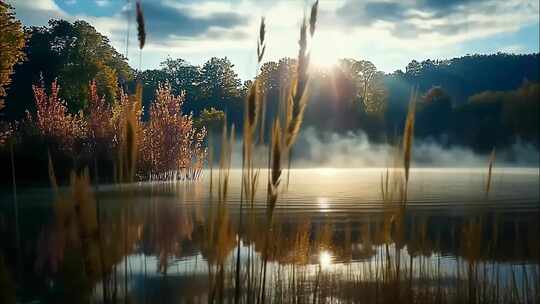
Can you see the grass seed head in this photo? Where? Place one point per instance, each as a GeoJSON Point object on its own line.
{"type": "Point", "coordinates": [141, 32]}
{"type": "Point", "coordinates": [313, 17]}
{"type": "Point", "coordinates": [408, 136]}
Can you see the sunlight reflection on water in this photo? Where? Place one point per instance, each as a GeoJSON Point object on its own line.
{"type": "Point", "coordinates": [325, 259]}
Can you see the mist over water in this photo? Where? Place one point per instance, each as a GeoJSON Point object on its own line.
{"type": "Point", "coordinates": [355, 150]}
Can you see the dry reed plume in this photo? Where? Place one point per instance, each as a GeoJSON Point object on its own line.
{"type": "Point", "coordinates": [296, 103]}
{"type": "Point", "coordinates": [141, 32]}
{"type": "Point", "coordinates": [252, 116]}
{"type": "Point", "coordinates": [261, 45]}
{"type": "Point", "coordinates": [282, 141]}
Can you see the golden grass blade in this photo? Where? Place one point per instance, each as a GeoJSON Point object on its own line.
{"type": "Point", "coordinates": [222, 157]}
{"type": "Point", "coordinates": [252, 108]}
{"type": "Point", "coordinates": [262, 114]}
{"type": "Point", "coordinates": [275, 167]}
{"type": "Point", "coordinates": [490, 169]}
{"type": "Point", "coordinates": [211, 160]}
{"type": "Point", "coordinates": [408, 136]}
{"type": "Point", "coordinates": [299, 88]}
{"type": "Point", "coordinates": [276, 155]}
{"type": "Point", "coordinates": [230, 146]}
{"type": "Point", "coordinates": [296, 106]}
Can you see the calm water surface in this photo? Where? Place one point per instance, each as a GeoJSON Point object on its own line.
{"type": "Point", "coordinates": [333, 240]}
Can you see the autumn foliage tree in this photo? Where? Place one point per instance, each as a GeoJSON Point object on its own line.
{"type": "Point", "coordinates": [170, 143]}
{"type": "Point", "coordinates": [54, 122]}
{"type": "Point", "coordinates": [11, 45]}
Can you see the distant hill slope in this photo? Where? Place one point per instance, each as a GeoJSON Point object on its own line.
{"type": "Point", "coordinates": [464, 76]}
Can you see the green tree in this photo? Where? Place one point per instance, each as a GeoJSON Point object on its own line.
{"type": "Point", "coordinates": [219, 81]}
{"type": "Point", "coordinates": [368, 83]}
{"type": "Point", "coordinates": [11, 45]}
{"type": "Point", "coordinates": [434, 115]}
{"type": "Point", "coordinates": [211, 119]}
{"type": "Point", "coordinates": [76, 54]}
{"type": "Point", "coordinates": [87, 55]}
{"type": "Point", "coordinates": [221, 88]}
{"type": "Point", "coordinates": [181, 75]}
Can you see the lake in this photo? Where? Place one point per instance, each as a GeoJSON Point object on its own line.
{"type": "Point", "coordinates": [332, 239]}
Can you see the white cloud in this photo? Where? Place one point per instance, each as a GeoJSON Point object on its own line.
{"type": "Point", "coordinates": [390, 41]}
{"type": "Point", "coordinates": [37, 12]}
{"type": "Point", "coordinates": [103, 3]}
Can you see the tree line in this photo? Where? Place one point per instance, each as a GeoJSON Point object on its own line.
{"type": "Point", "coordinates": [479, 101]}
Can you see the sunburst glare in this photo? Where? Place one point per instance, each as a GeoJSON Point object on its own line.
{"type": "Point", "coordinates": [326, 53]}
{"type": "Point", "coordinates": [325, 259]}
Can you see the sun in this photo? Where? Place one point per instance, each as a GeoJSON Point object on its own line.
{"type": "Point", "coordinates": [325, 53]}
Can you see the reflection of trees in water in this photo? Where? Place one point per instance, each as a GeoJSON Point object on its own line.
{"type": "Point", "coordinates": [485, 237]}
{"type": "Point", "coordinates": [81, 256]}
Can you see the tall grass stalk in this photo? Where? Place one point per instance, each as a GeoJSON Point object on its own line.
{"type": "Point", "coordinates": [16, 213]}
{"type": "Point", "coordinates": [282, 141]}
{"type": "Point", "coordinates": [250, 175]}
{"type": "Point", "coordinates": [490, 169]}
{"type": "Point", "coordinates": [299, 88]}
{"type": "Point", "coordinates": [408, 137]}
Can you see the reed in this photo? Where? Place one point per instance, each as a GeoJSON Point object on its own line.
{"type": "Point", "coordinates": [299, 87]}
{"type": "Point", "coordinates": [141, 31]}
{"type": "Point", "coordinates": [227, 144]}
{"type": "Point", "coordinates": [128, 124]}
{"type": "Point", "coordinates": [250, 174]}
{"type": "Point", "coordinates": [490, 169]}
{"type": "Point", "coordinates": [392, 186]}
{"type": "Point", "coordinates": [297, 97]}
{"type": "Point", "coordinates": [408, 136]}
{"type": "Point", "coordinates": [313, 17]}
{"type": "Point", "coordinates": [282, 141]}
{"type": "Point", "coordinates": [261, 45]}
{"type": "Point", "coordinates": [275, 170]}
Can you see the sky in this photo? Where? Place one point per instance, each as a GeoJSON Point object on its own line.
{"type": "Point", "coordinates": [389, 33]}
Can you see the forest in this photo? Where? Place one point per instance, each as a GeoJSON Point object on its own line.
{"type": "Point", "coordinates": [73, 73]}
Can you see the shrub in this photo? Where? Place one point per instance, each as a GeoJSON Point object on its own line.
{"type": "Point", "coordinates": [170, 143]}
{"type": "Point", "coordinates": [52, 119]}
